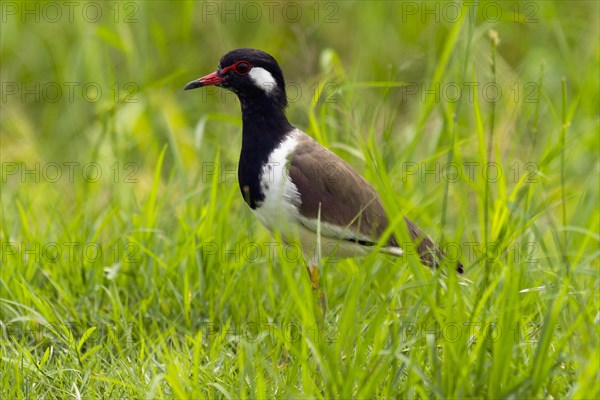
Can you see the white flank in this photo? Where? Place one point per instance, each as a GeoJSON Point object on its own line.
{"type": "Point", "coordinates": [345, 238]}
{"type": "Point", "coordinates": [279, 209]}
{"type": "Point", "coordinates": [263, 79]}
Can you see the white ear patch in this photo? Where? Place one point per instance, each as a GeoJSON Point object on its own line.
{"type": "Point", "coordinates": [263, 79]}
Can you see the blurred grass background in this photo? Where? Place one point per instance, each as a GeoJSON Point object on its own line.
{"type": "Point", "coordinates": [98, 89]}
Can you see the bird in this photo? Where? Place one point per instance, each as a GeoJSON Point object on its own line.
{"type": "Point", "coordinates": [296, 187]}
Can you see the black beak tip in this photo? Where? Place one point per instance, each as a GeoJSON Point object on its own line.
{"type": "Point", "coordinates": [193, 85]}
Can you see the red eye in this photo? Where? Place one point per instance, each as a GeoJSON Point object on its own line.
{"type": "Point", "coordinates": [242, 67]}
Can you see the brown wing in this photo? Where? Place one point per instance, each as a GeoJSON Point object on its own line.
{"type": "Point", "coordinates": [429, 252]}
{"type": "Point", "coordinates": [346, 199]}
{"type": "Point", "coordinates": [325, 180]}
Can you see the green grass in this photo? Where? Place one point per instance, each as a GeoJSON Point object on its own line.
{"type": "Point", "coordinates": [153, 280]}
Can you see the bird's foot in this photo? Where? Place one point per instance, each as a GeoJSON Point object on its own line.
{"type": "Point", "coordinates": [313, 273]}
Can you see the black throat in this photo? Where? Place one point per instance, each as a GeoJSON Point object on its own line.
{"type": "Point", "coordinates": [265, 126]}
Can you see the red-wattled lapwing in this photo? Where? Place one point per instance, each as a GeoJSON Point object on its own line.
{"type": "Point", "coordinates": [295, 186]}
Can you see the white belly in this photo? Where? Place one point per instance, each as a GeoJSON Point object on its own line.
{"type": "Point", "coordinates": [279, 210]}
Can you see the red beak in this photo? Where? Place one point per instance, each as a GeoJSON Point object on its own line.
{"type": "Point", "coordinates": [208, 80]}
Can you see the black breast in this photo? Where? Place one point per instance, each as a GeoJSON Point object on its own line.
{"type": "Point", "coordinates": [264, 128]}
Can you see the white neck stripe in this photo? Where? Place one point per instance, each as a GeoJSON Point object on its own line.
{"type": "Point", "coordinates": [263, 79]}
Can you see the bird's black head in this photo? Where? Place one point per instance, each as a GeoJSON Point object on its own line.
{"type": "Point", "coordinates": [251, 74]}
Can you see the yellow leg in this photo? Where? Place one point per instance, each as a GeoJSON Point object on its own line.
{"type": "Point", "coordinates": [313, 273]}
